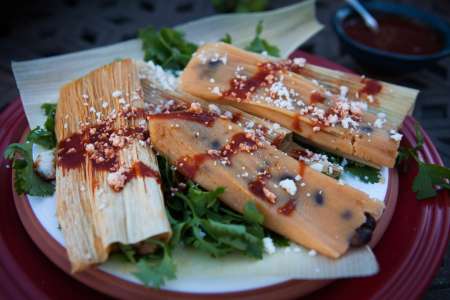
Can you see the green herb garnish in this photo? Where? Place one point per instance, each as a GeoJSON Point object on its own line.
{"type": "Point", "coordinates": [25, 179]}
{"type": "Point", "coordinates": [166, 47]}
{"type": "Point", "coordinates": [228, 6]}
{"type": "Point", "coordinates": [152, 269]}
{"type": "Point", "coordinates": [364, 173]}
{"type": "Point", "coordinates": [227, 39]}
{"type": "Point", "coordinates": [260, 45]}
{"type": "Point", "coordinates": [429, 176]}
{"type": "Point", "coordinates": [208, 225]}
{"type": "Point", "coordinates": [45, 136]}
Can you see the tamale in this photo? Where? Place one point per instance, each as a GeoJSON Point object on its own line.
{"type": "Point", "coordinates": [298, 202]}
{"type": "Point", "coordinates": [107, 178]}
{"type": "Point", "coordinates": [160, 98]}
{"type": "Point", "coordinates": [279, 92]}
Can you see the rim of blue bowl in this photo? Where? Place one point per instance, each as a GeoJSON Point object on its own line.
{"type": "Point", "coordinates": [343, 12]}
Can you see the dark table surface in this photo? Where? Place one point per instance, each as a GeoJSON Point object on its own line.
{"type": "Point", "coordinates": [33, 29]}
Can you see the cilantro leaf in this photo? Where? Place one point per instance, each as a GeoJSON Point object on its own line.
{"type": "Point", "coordinates": [260, 45]}
{"type": "Point", "coordinates": [278, 240]}
{"type": "Point", "coordinates": [227, 39]}
{"type": "Point", "coordinates": [252, 214]}
{"type": "Point", "coordinates": [42, 137]}
{"type": "Point", "coordinates": [166, 47]}
{"type": "Point", "coordinates": [364, 173]}
{"type": "Point", "coordinates": [201, 200]}
{"type": "Point", "coordinates": [129, 252]}
{"type": "Point", "coordinates": [208, 225]}
{"type": "Point", "coordinates": [45, 136]}
{"type": "Point", "coordinates": [428, 176]}
{"type": "Point", "coordinates": [25, 179]}
{"type": "Point", "coordinates": [155, 271]}
{"type": "Point", "coordinates": [228, 6]}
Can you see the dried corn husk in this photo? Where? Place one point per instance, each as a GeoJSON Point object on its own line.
{"type": "Point", "coordinates": [395, 101]}
{"type": "Point", "coordinates": [92, 216]}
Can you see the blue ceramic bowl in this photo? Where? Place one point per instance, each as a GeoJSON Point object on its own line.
{"type": "Point", "coordinates": [384, 61]}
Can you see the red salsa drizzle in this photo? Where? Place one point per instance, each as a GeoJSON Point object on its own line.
{"type": "Point", "coordinates": [301, 168]}
{"type": "Point", "coordinates": [296, 122]}
{"type": "Point", "coordinates": [287, 208]}
{"type": "Point", "coordinates": [204, 118]}
{"type": "Point", "coordinates": [242, 88]}
{"type": "Point", "coordinates": [139, 169]}
{"type": "Point", "coordinates": [396, 34]}
{"type": "Point", "coordinates": [71, 152]}
{"type": "Point", "coordinates": [237, 116]}
{"type": "Point", "coordinates": [316, 97]}
{"type": "Point", "coordinates": [257, 186]}
{"type": "Point", "coordinates": [371, 87]}
{"type": "Point", "coordinates": [101, 140]}
{"type": "Point", "coordinates": [278, 140]}
{"type": "Point", "coordinates": [298, 152]}
{"type": "Point", "coordinates": [240, 142]}
{"type": "Point", "coordinates": [189, 165]}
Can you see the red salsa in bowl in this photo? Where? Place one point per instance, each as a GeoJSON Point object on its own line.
{"type": "Point", "coordinates": [396, 33]}
{"type": "Point", "coordinates": [409, 39]}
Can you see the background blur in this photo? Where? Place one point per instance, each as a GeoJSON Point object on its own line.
{"type": "Point", "coordinates": [34, 29]}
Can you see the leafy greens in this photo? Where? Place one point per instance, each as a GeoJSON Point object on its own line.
{"type": "Point", "coordinates": [166, 47]}
{"type": "Point", "coordinates": [240, 6]}
{"type": "Point", "coordinates": [169, 49]}
{"type": "Point", "coordinates": [429, 176]}
{"type": "Point", "coordinates": [260, 45]}
{"type": "Point", "coordinates": [26, 181]}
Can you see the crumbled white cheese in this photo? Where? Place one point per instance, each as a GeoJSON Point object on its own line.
{"type": "Point", "coordinates": [44, 165]}
{"type": "Point", "coordinates": [347, 122]}
{"type": "Point", "coordinates": [317, 166]}
{"type": "Point", "coordinates": [297, 177]}
{"type": "Point", "coordinates": [214, 109]}
{"type": "Point", "coordinates": [116, 180]}
{"type": "Point", "coordinates": [312, 252]}
{"type": "Point", "coordinates": [379, 123]}
{"type": "Point", "coordinates": [216, 91]}
{"type": "Point", "coordinates": [117, 94]}
{"type": "Point", "coordinates": [395, 135]}
{"type": "Point", "coordinates": [299, 61]}
{"type": "Point", "coordinates": [162, 78]}
{"type": "Point", "coordinates": [269, 247]}
{"type": "Point", "coordinates": [289, 186]}
{"type": "Point", "coordinates": [343, 91]}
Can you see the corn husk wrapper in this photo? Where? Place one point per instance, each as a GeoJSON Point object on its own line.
{"type": "Point", "coordinates": [92, 216]}
{"type": "Point", "coordinates": [40, 80]}
{"type": "Point", "coordinates": [395, 101]}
